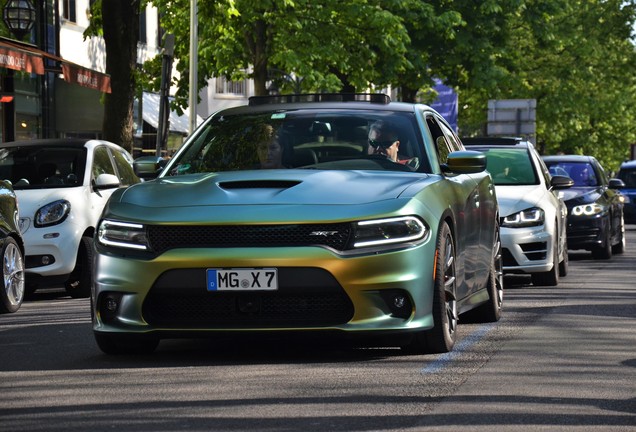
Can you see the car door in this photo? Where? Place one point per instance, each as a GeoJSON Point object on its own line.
{"type": "Point", "coordinates": [555, 198]}
{"type": "Point", "coordinates": [468, 217]}
{"type": "Point", "coordinates": [613, 199]}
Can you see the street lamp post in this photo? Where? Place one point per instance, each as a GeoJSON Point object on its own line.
{"type": "Point", "coordinates": [19, 17]}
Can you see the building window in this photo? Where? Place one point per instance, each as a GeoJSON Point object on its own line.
{"type": "Point", "coordinates": [69, 10]}
{"type": "Point", "coordinates": [225, 86]}
{"type": "Point", "coordinates": [142, 26]}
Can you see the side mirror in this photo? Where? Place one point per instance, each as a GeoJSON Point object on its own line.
{"type": "Point", "coordinates": [561, 182]}
{"type": "Point", "coordinates": [616, 183]}
{"type": "Point", "coordinates": [149, 167]}
{"type": "Point", "coordinates": [465, 162]}
{"type": "Point", "coordinates": [106, 181]}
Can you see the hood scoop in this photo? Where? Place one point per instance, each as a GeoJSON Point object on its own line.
{"type": "Point", "coordinates": [259, 184]}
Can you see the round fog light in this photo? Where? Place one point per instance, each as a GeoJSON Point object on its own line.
{"type": "Point", "coordinates": [399, 301]}
{"type": "Point", "coordinates": [46, 260]}
{"type": "Point", "coordinates": [111, 304]}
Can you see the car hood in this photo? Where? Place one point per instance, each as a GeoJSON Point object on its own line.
{"type": "Point", "coordinates": [513, 199]}
{"type": "Point", "coordinates": [581, 194]}
{"type": "Point", "coordinates": [272, 187]}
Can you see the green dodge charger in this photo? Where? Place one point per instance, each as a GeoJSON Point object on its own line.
{"type": "Point", "coordinates": [320, 214]}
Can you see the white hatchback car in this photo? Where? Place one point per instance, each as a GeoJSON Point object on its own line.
{"type": "Point", "coordinates": [533, 216]}
{"type": "Point", "coordinates": [62, 186]}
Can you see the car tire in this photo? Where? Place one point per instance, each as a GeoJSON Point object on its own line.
{"type": "Point", "coordinates": [126, 344]}
{"type": "Point", "coordinates": [605, 250]}
{"type": "Point", "coordinates": [551, 277]}
{"type": "Point", "coordinates": [441, 338]}
{"type": "Point", "coordinates": [79, 282]}
{"type": "Point", "coordinates": [12, 290]}
{"type": "Point", "coordinates": [491, 310]}
{"type": "Point", "coordinates": [565, 262]}
{"type": "Point", "coordinates": [619, 247]}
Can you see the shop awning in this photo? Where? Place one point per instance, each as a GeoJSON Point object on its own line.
{"type": "Point", "coordinates": [17, 59]}
{"type": "Point", "coordinates": [178, 123]}
{"type": "Point", "coordinates": [31, 60]}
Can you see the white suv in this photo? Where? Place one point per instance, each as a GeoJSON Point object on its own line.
{"type": "Point", "coordinates": [533, 216]}
{"type": "Point", "coordinates": [62, 186]}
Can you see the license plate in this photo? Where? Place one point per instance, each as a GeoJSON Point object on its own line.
{"type": "Point", "coordinates": [242, 279]}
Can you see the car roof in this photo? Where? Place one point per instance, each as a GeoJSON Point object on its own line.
{"type": "Point", "coordinates": [629, 164]}
{"type": "Point", "coordinates": [73, 142]}
{"type": "Point", "coordinates": [61, 142]}
{"type": "Point", "coordinates": [569, 158]}
{"type": "Point", "coordinates": [355, 101]}
{"type": "Point", "coordinates": [491, 142]}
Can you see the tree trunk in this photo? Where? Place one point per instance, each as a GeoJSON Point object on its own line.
{"type": "Point", "coordinates": [408, 94]}
{"type": "Point", "coordinates": [259, 53]}
{"type": "Point", "coordinates": [121, 34]}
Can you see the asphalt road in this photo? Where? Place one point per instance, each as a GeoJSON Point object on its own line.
{"type": "Point", "coordinates": [561, 359]}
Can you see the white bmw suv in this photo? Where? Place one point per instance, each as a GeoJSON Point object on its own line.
{"type": "Point", "coordinates": [62, 186]}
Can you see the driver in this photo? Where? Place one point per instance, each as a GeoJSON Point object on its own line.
{"type": "Point", "coordinates": [383, 140]}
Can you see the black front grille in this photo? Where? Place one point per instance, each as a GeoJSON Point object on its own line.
{"type": "Point", "coordinates": [163, 238]}
{"type": "Point", "coordinates": [535, 251]}
{"type": "Point", "coordinates": [307, 297]}
{"type": "Point", "coordinates": [508, 259]}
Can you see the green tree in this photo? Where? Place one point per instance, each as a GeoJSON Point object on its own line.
{"type": "Point", "coordinates": [332, 45]}
{"type": "Point", "coordinates": [575, 58]}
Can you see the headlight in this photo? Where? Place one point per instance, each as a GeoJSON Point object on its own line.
{"type": "Point", "coordinates": [122, 234]}
{"type": "Point", "coordinates": [588, 209]}
{"type": "Point", "coordinates": [52, 214]}
{"type": "Point", "coordinates": [388, 231]}
{"type": "Point", "coordinates": [525, 218]}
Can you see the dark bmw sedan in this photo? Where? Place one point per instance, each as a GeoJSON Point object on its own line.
{"type": "Point", "coordinates": [595, 205]}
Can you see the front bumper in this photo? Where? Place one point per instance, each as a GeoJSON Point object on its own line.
{"type": "Point", "coordinates": [51, 251]}
{"type": "Point", "coordinates": [527, 250]}
{"type": "Point", "coordinates": [318, 291]}
{"type": "Point", "coordinates": [587, 232]}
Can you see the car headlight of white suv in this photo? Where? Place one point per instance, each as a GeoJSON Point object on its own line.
{"type": "Point", "coordinates": [525, 218]}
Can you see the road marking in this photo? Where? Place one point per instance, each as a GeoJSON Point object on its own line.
{"type": "Point", "coordinates": [461, 347]}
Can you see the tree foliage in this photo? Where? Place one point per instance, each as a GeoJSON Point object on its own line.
{"type": "Point", "coordinates": [575, 57]}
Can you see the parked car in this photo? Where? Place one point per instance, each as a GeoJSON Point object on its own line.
{"type": "Point", "coordinates": [345, 214]}
{"type": "Point", "coordinates": [533, 216]}
{"type": "Point", "coordinates": [11, 251]}
{"type": "Point", "coordinates": [595, 205]}
{"type": "Point", "coordinates": [62, 186]}
{"type": "Point", "coordinates": [627, 173]}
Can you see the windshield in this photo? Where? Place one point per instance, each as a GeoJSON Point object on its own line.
{"type": "Point", "coordinates": [35, 167]}
{"type": "Point", "coordinates": [313, 139]}
{"type": "Point", "coordinates": [628, 175]}
{"type": "Point", "coordinates": [581, 172]}
{"type": "Point", "coordinates": [510, 166]}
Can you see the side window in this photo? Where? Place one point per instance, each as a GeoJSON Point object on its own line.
{"type": "Point", "coordinates": [602, 175]}
{"type": "Point", "coordinates": [125, 172]}
{"type": "Point", "coordinates": [544, 169]}
{"type": "Point", "coordinates": [441, 143]}
{"type": "Point", "coordinates": [454, 142]}
{"type": "Point", "coordinates": [102, 163]}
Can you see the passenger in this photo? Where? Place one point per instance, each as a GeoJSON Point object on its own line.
{"type": "Point", "coordinates": [269, 148]}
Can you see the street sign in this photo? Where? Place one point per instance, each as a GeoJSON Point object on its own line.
{"type": "Point", "coordinates": [513, 117]}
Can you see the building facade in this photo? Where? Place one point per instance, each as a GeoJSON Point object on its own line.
{"type": "Point", "coordinates": [60, 94]}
